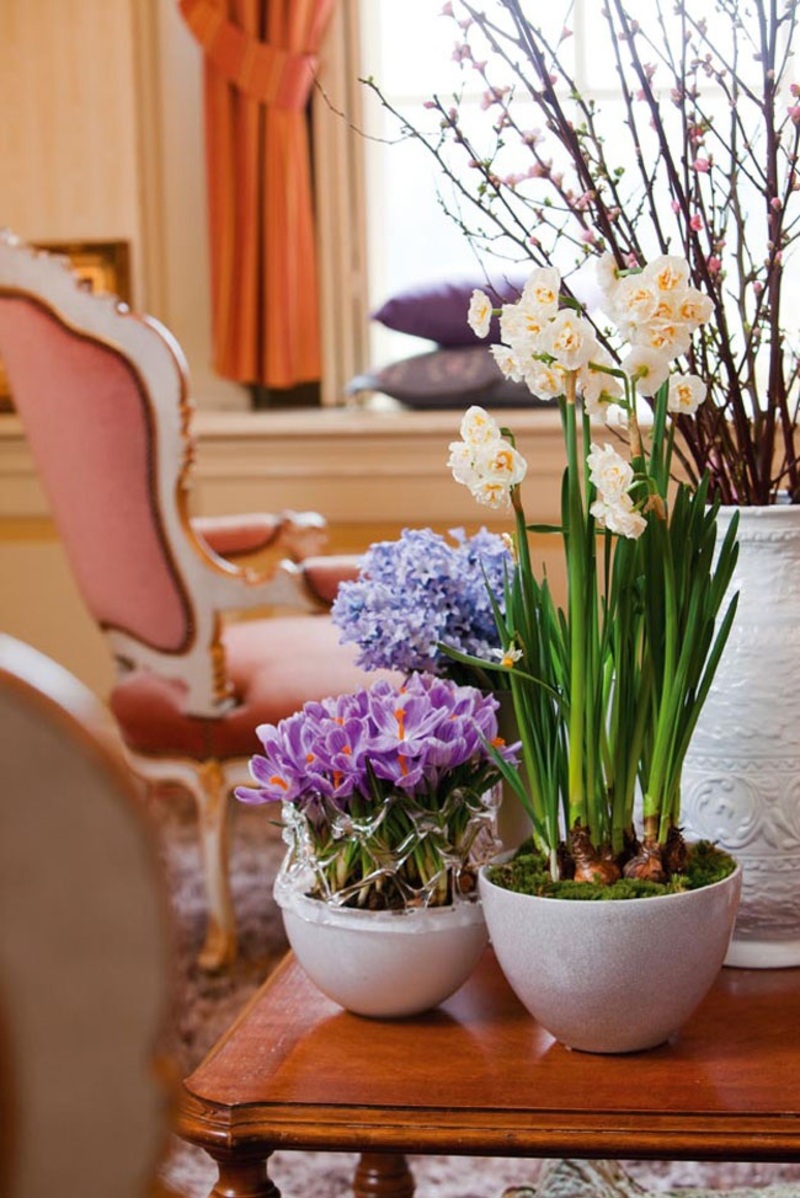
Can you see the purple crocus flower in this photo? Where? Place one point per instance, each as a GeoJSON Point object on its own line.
{"type": "Point", "coordinates": [386, 782]}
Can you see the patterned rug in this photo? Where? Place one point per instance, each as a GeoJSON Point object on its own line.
{"type": "Point", "coordinates": [208, 1005]}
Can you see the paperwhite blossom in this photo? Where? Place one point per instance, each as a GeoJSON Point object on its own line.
{"type": "Point", "coordinates": [541, 291]}
{"type": "Point", "coordinates": [647, 367]}
{"type": "Point", "coordinates": [545, 381]}
{"type": "Point", "coordinates": [508, 362]}
{"type": "Point", "coordinates": [610, 473]}
{"type": "Point", "coordinates": [521, 327]}
{"type": "Point", "coordinates": [619, 517]}
{"type": "Point", "coordinates": [667, 273]}
{"type": "Point", "coordinates": [479, 316]}
{"type": "Point", "coordinates": [634, 300]}
{"type": "Point", "coordinates": [478, 427]}
{"type": "Point", "coordinates": [686, 393]}
{"type": "Point", "coordinates": [695, 306]}
{"type": "Point", "coordinates": [570, 339]}
{"type": "Point", "coordinates": [666, 331]}
{"type": "Point", "coordinates": [485, 461]}
{"type": "Point", "coordinates": [606, 275]}
{"type": "Point", "coordinates": [599, 388]}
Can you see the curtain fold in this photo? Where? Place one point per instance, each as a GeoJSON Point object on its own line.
{"type": "Point", "coordinates": [260, 66]}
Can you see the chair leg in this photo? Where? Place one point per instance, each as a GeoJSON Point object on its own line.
{"type": "Point", "coordinates": [213, 810]}
{"type": "Point", "coordinates": [209, 788]}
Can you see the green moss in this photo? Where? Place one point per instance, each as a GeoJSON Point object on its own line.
{"type": "Point", "coordinates": [527, 873]}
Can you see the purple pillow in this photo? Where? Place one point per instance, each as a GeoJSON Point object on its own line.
{"type": "Point", "coordinates": [452, 377]}
{"type": "Point", "coordinates": [438, 311]}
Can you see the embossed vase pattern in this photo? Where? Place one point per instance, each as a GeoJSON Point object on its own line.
{"type": "Point", "coordinates": [741, 781]}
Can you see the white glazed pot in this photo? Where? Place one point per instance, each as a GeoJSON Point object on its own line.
{"type": "Point", "coordinates": [611, 977]}
{"type": "Point", "coordinates": [386, 964]}
{"type": "Point", "coordinates": [741, 778]}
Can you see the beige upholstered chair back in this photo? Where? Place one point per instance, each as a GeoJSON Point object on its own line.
{"type": "Point", "coordinates": [84, 948]}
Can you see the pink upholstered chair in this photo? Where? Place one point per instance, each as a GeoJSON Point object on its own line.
{"type": "Point", "coordinates": [87, 1083]}
{"type": "Point", "coordinates": [103, 396]}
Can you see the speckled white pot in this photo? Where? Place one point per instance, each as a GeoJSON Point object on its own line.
{"type": "Point", "coordinates": [741, 777]}
{"type": "Point", "coordinates": [611, 977]}
{"type": "Point", "coordinates": [385, 964]}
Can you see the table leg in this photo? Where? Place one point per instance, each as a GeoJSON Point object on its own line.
{"type": "Point", "coordinates": [242, 1176]}
{"type": "Point", "coordinates": [383, 1175]}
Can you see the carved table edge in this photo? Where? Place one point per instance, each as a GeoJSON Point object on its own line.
{"type": "Point", "coordinates": [215, 1126]}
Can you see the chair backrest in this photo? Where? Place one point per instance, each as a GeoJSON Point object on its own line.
{"type": "Point", "coordinates": [85, 948]}
{"type": "Point", "coordinates": [103, 396]}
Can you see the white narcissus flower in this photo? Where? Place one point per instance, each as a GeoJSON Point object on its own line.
{"type": "Point", "coordinates": [686, 393]}
{"type": "Point", "coordinates": [545, 381]}
{"type": "Point", "coordinates": [478, 427]}
{"type": "Point", "coordinates": [498, 461]}
{"type": "Point", "coordinates": [570, 340]}
{"type": "Point", "coordinates": [462, 463]}
{"type": "Point", "coordinates": [507, 657]}
{"type": "Point", "coordinates": [695, 307]}
{"type": "Point", "coordinates": [479, 316]}
{"type": "Point", "coordinates": [541, 291]}
{"type": "Point", "coordinates": [668, 272]}
{"type": "Point", "coordinates": [619, 517]}
{"type": "Point", "coordinates": [484, 461]}
{"type": "Point", "coordinates": [606, 275]}
{"type": "Point", "coordinates": [610, 473]}
{"type": "Point", "coordinates": [508, 362]}
{"type": "Point", "coordinates": [521, 328]}
{"type": "Point", "coordinates": [647, 368]}
{"type": "Point", "coordinates": [635, 300]}
{"type": "Point", "coordinates": [666, 331]}
{"type": "Point", "coordinates": [599, 388]}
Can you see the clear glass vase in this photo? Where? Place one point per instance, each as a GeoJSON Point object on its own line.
{"type": "Point", "coordinates": [406, 852]}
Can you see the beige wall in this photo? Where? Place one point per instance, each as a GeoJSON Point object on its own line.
{"type": "Point", "coordinates": [101, 139]}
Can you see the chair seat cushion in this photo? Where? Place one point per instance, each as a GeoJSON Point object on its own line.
{"type": "Point", "coordinates": [275, 665]}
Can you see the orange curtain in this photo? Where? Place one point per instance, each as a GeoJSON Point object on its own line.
{"type": "Point", "coordinates": [260, 64]}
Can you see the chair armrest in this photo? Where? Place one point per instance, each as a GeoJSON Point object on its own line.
{"type": "Point", "coordinates": [323, 575]}
{"type": "Point", "coordinates": [296, 534]}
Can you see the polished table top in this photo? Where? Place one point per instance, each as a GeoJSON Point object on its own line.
{"type": "Point", "coordinates": [479, 1076]}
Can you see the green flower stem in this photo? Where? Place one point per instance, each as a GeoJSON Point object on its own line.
{"type": "Point", "coordinates": [577, 587]}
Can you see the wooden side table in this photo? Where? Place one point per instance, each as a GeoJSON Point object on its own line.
{"type": "Point", "coordinates": [479, 1077]}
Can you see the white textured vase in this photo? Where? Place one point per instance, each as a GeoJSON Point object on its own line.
{"type": "Point", "coordinates": [611, 977]}
{"type": "Point", "coordinates": [385, 964]}
{"type": "Point", "coordinates": [741, 780]}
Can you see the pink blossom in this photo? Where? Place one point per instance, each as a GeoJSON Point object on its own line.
{"type": "Point", "coordinates": [447, 9]}
{"type": "Point", "coordinates": [714, 264]}
{"type": "Point", "coordinates": [675, 206]}
{"type": "Point", "coordinates": [775, 204]}
{"type": "Point", "coordinates": [631, 261]}
{"type": "Point", "coordinates": [795, 89]}
{"type": "Point", "coordinates": [696, 222]}
{"type": "Point", "coordinates": [758, 287]}
{"type": "Point", "coordinates": [565, 33]}
{"type": "Point", "coordinates": [585, 200]}
{"type": "Point", "coordinates": [588, 237]}
{"type": "Point", "coordinates": [794, 113]}
{"type": "Point", "coordinates": [702, 165]}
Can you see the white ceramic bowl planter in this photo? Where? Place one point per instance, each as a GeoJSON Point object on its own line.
{"type": "Point", "coordinates": [386, 964]}
{"type": "Point", "coordinates": [611, 977]}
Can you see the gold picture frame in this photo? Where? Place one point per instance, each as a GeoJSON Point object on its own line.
{"type": "Point", "coordinates": [103, 265]}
